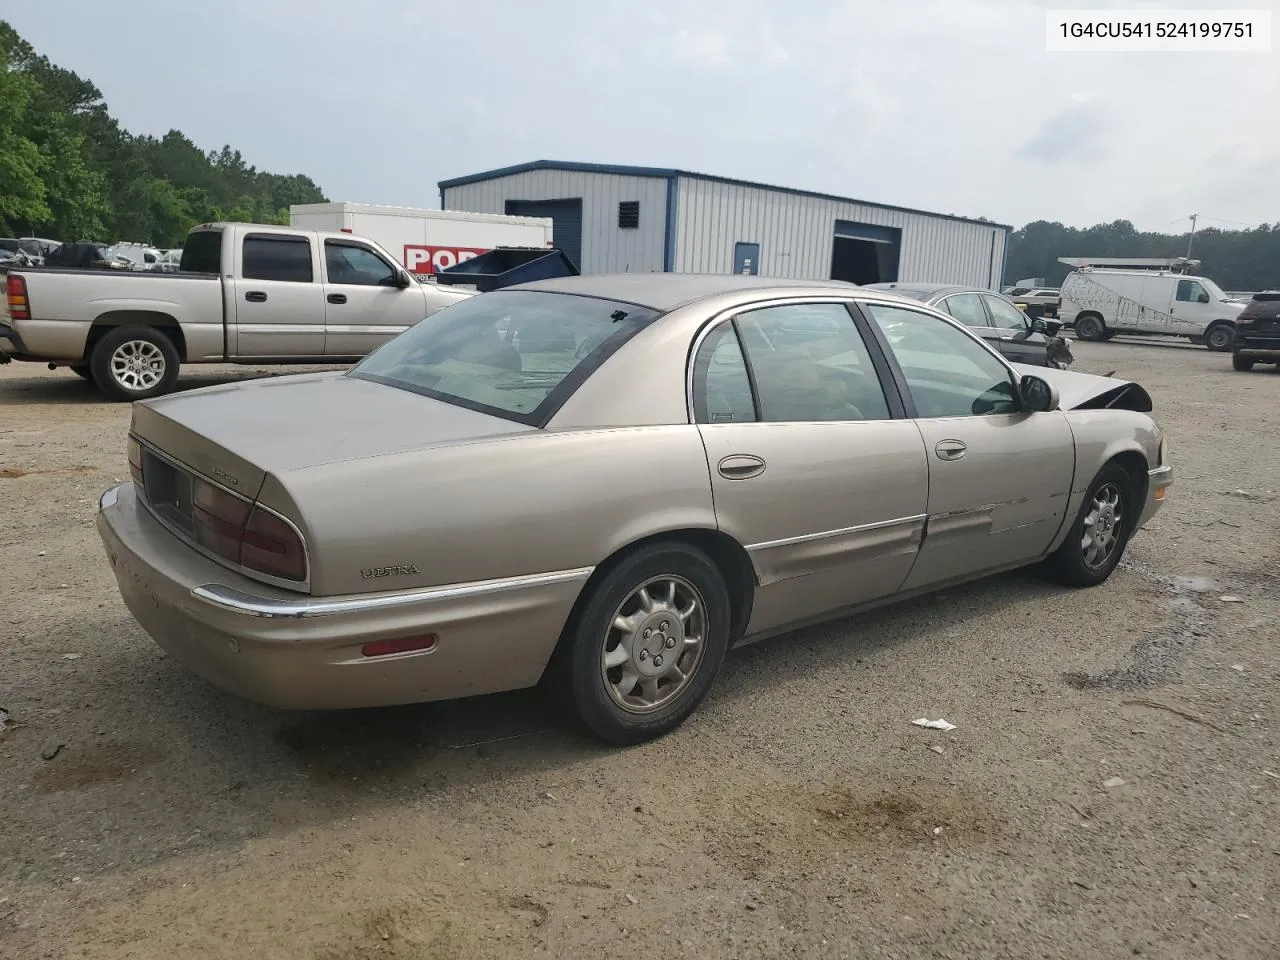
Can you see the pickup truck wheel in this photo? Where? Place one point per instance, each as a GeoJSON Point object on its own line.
{"type": "Point", "coordinates": [82, 370]}
{"type": "Point", "coordinates": [134, 363]}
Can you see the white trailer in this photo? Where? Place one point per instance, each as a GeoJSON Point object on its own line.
{"type": "Point", "coordinates": [425, 240]}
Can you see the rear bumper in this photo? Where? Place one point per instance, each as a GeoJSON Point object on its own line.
{"type": "Point", "coordinates": [1159, 481]}
{"type": "Point", "coordinates": [1257, 348]}
{"type": "Point", "coordinates": [298, 652]}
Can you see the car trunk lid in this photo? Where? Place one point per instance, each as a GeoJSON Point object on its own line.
{"type": "Point", "coordinates": [238, 433]}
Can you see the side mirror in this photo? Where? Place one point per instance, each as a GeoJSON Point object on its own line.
{"type": "Point", "coordinates": [1038, 325]}
{"type": "Point", "coordinates": [1037, 395]}
{"type": "Point", "coordinates": [1203, 298]}
{"type": "Point", "coordinates": [400, 280]}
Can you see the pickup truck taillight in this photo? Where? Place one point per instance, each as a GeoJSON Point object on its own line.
{"type": "Point", "coordinates": [19, 306]}
{"type": "Point", "coordinates": [246, 534]}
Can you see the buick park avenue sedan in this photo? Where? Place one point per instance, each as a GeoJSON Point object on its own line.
{"type": "Point", "coordinates": [601, 484]}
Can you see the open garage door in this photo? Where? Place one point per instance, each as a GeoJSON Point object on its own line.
{"type": "Point", "coordinates": [865, 252]}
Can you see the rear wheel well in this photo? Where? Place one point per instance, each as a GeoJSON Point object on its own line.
{"type": "Point", "coordinates": [136, 318]}
{"type": "Point", "coordinates": [726, 553]}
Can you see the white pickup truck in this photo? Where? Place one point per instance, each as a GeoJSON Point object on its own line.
{"type": "Point", "coordinates": [245, 293]}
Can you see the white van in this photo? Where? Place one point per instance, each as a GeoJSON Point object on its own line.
{"type": "Point", "coordinates": [1101, 302]}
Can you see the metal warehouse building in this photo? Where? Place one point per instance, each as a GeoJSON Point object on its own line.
{"type": "Point", "coordinates": [616, 219]}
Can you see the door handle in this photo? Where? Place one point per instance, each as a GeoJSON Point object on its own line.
{"type": "Point", "coordinates": [256, 296]}
{"type": "Point", "coordinates": [950, 450]}
{"type": "Point", "coordinates": [741, 467]}
{"type": "Point", "coordinates": [337, 298]}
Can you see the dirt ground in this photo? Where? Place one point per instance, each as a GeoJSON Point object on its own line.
{"type": "Point", "coordinates": [1110, 790]}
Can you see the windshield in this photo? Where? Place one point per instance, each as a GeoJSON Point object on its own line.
{"type": "Point", "coordinates": [516, 354]}
{"type": "Point", "coordinates": [1211, 288]}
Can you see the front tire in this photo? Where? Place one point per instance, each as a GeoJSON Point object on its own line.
{"type": "Point", "coordinates": [1100, 533]}
{"type": "Point", "coordinates": [81, 370]}
{"type": "Point", "coordinates": [1090, 327]}
{"type": "Point", "coordinates": [645, 649]}
{"type": "Point", "coordinates": [1219, 338]}
{"type": "Point", "coordinates": [134, 363]}
{"type": "Point", "coordinates": [1243, 364]}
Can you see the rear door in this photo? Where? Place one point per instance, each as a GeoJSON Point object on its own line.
{"type": "Point", "coordinates": [814, 468]}
{"type": "Point", "coordinates": [999, 477]}
{"type": "Point", "coordinates": [279, 302]}
{"type": "Point", "coordinates": [366, 303]}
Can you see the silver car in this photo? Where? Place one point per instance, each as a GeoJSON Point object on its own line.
{"type": "Point", "coordinates": [602, 484]}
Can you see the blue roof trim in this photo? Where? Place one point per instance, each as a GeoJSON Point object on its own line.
{"type": "Point", "coordinates": [668, 172]}
{"type": "Point", "coordinates": [669, 238]}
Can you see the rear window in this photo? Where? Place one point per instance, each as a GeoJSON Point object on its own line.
{"type": "Point", "coordinates": [274, 257]}
{"type": "Point", "coordinates": [202, 252]}
{"type": "Point", "coordinates": [516, 354]}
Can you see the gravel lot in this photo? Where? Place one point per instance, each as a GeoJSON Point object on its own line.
{"type": "Point", "coordinates": [797, 814]}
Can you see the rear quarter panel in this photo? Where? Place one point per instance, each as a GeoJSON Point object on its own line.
{"type": "Point", "coordinates": [538, 503]}
{"type": "Point", "coordinates": [66, 304]}
{"type": "Point", "coordinates": [1101, 436]}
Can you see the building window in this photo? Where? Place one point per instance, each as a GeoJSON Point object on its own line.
{"type": "Point", "coordinates": [629, 214]}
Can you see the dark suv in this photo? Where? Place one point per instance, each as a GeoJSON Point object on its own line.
{"type": "Point", "coordinates": [1257, 337]}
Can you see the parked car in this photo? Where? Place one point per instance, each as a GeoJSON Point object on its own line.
{"type": "Point", "coordinates": [1038, 302]}
{"type": "Point", "coordinates": [246, 293]}
{"type": "Point", "coordinates": [601, 484]}
{"type": "Point", "coordinates": [995, 318]}
{"type": "Point", "coordinates": [1101, 302]}
{"type": "Point", "coordinates": [1257, 337]}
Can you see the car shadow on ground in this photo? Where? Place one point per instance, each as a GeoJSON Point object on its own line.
{"type": "Point", "coordinates": [231, 770]}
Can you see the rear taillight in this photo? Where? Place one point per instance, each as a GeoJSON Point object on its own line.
{"type": "Point", "coordinates": [135, 460]}
{"type": "Point", "coordinates": [246, 534]}
{"type": "Point", "coordinates": [272, 546]}
{"type": "Point", "coordinates": [16, 290]}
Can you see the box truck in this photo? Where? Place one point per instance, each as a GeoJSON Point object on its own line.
{"type": "Point", "coordinates": [425, 240]}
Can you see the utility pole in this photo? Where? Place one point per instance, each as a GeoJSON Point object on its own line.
{"type": "Point", "coordinates": [1191, 238]}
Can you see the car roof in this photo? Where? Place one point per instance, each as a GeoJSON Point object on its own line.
{"type": "Point", "coordinates": [666, 291]}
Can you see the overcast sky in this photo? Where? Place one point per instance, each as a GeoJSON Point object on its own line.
{"type": "Point", "coordinates": [948, 105]}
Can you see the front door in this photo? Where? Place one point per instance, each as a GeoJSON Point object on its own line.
{"type": "Point", "coordinates": [746, 258]}
{"type": "Point", "coordinates": [1016, 342]}
{"type": "Point", "coordinates": [999, 477]}
{"type": "Point", "coordinates": [279, 306]}
{"type": "Point", "coordinates": [810, 470]}
{"type": "Point", "coordinates": [365, 306]}
{"type": "Point", "coordinates": [1192, 308]}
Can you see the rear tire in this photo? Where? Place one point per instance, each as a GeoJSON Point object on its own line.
{"type": "Point", "coordinates": [1219, 337]}
{"type": "Point", "coordinates": [611, 675]}
{"type": "Point", "coordinates": [1101, 531]}
{"type": "Point", "coordinates": [1244, 364]}
{"type": "Point", "coordinates": [1089, 326]}
{"type": "Point", "coordinates": [134, 363]}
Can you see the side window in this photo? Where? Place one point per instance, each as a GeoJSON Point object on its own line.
{"type": "Point", "coordinates": [948, 373]}
{"type": "Point", "coordinates": [967, 308]}
{"type": "Point", "coordinates": [1004, 314]}
{"type": "Point", "coordinates": [1189, 291]}
{"type": "Point", "coordinates": [269, 257]}
{"type": "Point", "coordinates": [349, 264]}
{"type": "Point", "coordinates": [810, 363]}
{"type": "Point", "coordinates": [721, 384]}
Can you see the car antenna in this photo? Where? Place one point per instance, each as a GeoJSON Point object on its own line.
{"type": "Point", "coordinates": [1111, 374]}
